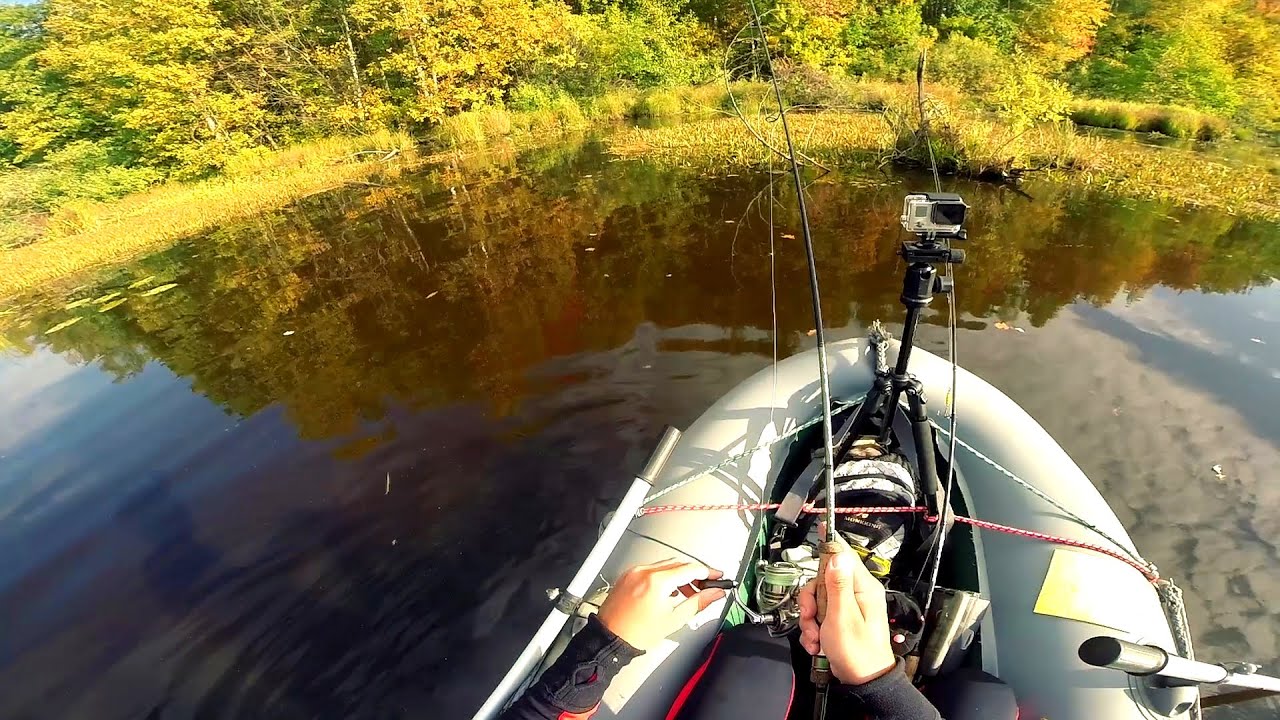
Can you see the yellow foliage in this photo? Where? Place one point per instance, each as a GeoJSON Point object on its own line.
{"type": "Point", "coordinates": [1058, 32]}
{"type": "Point", "coordinates": [459, 53]}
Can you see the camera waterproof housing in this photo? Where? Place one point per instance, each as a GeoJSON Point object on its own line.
{"type": "Point", "coordinates": [934, 213]}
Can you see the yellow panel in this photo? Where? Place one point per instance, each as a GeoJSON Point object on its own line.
{"type": "Point", "coordinates": [1092, 588]}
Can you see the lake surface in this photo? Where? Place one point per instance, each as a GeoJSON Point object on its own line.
{"type": "Point", "coordinates": [331, 472]}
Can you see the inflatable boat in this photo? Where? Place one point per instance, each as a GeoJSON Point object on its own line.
{"type": "Point", "coordinates": [1071, 572]}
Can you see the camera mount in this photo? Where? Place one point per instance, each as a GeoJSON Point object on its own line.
{"type": "Point", "coordinates": [875, 417]}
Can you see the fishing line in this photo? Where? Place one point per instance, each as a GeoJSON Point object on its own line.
{"type": "Point", "coordinates": [933, 560]}
{"type": "Point", "coordinates": [669, 546]}
{"type": "Point", "coordinates": [824, 385]}
{"type": "Point", "coordinates": [773, 301]}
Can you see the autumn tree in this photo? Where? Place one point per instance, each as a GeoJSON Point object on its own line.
{"type": "Point", "coordinates": [1058, 32]}
{"type": "Point", "coordinates": [148, 73]}
{"type": "Point", "coordinates": [441, 56]}
{"type": "Point", "coordinates": [36, 114]}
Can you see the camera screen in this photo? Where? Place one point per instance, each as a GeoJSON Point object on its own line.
{"type": "Point", "coordinates": [948, 213]}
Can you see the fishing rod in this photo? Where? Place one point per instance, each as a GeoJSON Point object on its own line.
{"type": "Point", "coordinates": [820, 671]}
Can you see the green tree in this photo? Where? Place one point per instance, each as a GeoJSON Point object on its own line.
{"type": "Point", "coordinates": [436, 57]}
{"type": "Point", "coordinates": [1216, 55]}
{"type": "Point", "coordinates": [651, 44]}
{"type": "Point", "coordinates": [147, 73]}
{"type": "Point", "coordinates": [38, 113]}
{"type": "Point", "coordinates": [307, 63]}
{"type": "Point", "coordinates": [886, 38]}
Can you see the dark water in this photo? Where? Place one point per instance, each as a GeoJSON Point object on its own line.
{"type": "Point", "coordinates": [331, 472]}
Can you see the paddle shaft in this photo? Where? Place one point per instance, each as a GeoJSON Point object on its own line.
{"type": "Point", "coordinates": [520, 672]}
{"type": "Point", "coordinates": [1236, 697]}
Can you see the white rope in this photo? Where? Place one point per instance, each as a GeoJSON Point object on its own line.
{"type": "Point", "coordinates": [1056, 505]}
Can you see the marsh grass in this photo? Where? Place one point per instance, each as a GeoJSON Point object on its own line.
{"type": "Point", "coordinates": [85, 234]}
{"type": "Point", "coordinates": [1171, 120]}
{"type": "Point", "coordinates": [658, 103]}
{"type": "Point", "coordinates": [614, 105]}
{"type": "Point", "coordinates": [546, 113]}
{"type": "Point", "coordinates": [974, 146]}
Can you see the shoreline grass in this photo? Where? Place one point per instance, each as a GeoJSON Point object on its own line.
{"type": "Point", "coordinates": [970, 146]}
{"type": "Point", "coordinates": [83, 235]}
{"type": "Point", "coordinates": [547, 114]}
{"type": "Point", "coordinates": [874, 129]}
{"type": "Point", "coordinates": [1170, 120]}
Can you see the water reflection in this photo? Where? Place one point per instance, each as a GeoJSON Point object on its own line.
{"type": "Point", "coordinates": [259, 493]}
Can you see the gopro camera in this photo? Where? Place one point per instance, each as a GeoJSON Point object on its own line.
{"type": "Point", "coordinates": [933, 213]}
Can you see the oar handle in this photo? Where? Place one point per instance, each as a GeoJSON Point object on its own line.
{"type": "Point", "coordinates": [1111, 652]}
{"type": "Point", "coordinates": [1136, 659]}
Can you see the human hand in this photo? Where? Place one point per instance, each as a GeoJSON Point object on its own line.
{"type": "Point", "coordinates": [649, 602]}
{"type": "Point", "coordinates": [855, 633]}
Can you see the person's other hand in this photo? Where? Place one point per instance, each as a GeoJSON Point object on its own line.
{"type": "Point", "coordinates": [649, 602]}
{"type": "Point", "coordinates": [855, 633]}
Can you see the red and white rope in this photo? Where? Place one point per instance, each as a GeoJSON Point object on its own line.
{"type": "Point", "coordinates": [1148, 572]}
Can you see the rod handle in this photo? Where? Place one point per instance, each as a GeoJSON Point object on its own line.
{"type": "Point", "coordinates": [1110, 652]}
{"type": "Point", "coordinates": [827, 549]}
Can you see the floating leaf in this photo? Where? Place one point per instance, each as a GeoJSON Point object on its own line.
{"type": "Point", "coordinates": [105, 298]}
{"type": "Point", "coordinates": [113, 304]}
{"type": "Point", "coordinates": [63, 325]}
{"type": "Point", "coordinates": [157, 290]}
{"type": "Point", "coordinates": [77, 303]}
{"type": "Point", "coordinates": [139, 283]}
{"type": "Point", "coordinates": [1002, 325]}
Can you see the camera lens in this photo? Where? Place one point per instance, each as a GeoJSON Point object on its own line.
{"type": "Point", "coordinates": [949, 213]}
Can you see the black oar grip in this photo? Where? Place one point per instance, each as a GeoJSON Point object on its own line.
{"type": "Point", "coordinates": [1117, 654]}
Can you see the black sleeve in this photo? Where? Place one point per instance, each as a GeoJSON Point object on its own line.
{"type": "Point", "coordinates": [574, 684]}
{"type": "Point", "coordinates": [892, 697]}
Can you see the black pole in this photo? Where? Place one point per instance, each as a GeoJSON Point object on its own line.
{"type": "Point", "coordinates": [908, 339]}
{"type": "Point", "coordinates": [918, 286]}
{"type": "Point", "coordinates": [917, 291]}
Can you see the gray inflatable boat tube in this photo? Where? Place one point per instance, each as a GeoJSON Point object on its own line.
{"type": "Point", "coordinates": [1090, 594]}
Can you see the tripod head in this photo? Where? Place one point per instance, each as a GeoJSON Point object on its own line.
{"type": "Point", "coordinates": [927, 248]}
{"type": "Point", "coordinates": [935, 220]}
